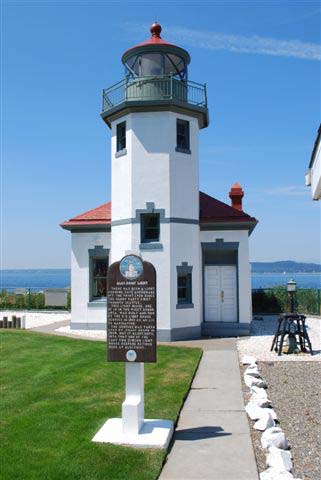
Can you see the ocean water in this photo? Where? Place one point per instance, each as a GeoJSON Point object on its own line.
{"type": "Point", "coordinates": [303, 280]}
{"type": "Point", "coordinates": [60, 278]}
{"type": "Point", "coordinates": [35, 279]}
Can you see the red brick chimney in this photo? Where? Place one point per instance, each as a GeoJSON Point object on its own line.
{"type": "Point", "coordinates": [236, 194]}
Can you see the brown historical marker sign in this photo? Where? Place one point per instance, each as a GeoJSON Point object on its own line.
{"type": "Point", "coordinates": [131, 311]}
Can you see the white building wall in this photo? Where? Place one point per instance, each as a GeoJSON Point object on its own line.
{"type": "Point", "coordinates": [181, 251]}
{"type": "Point", "coordinates": [175, 251]}
{"type": "Point", "coordinates": [161, 262]}
{"type": "Point", "coordinates": [316, 175]}
{"type": "Point", "coordinates": [85, 314]}
{"type": "Point", "coordinates": [244, 270]}
{"type": "Point", "coordinates": [121, 174]}
{"type": "Point", "coordinates": [152, 171]}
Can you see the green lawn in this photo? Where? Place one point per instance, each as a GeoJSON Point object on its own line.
{"type": "Point", "coordinates": [56, 394]}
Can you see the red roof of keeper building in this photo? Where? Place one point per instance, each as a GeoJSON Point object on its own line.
{"type": "Point", "coordinates": [97, 216]}
{"type": "Point", "coordinates": [212, 211]}
{"type": "Point", "coordinates": [215, 211]}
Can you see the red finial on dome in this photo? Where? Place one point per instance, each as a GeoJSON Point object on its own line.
{"type": "Point", "coordinates": [155, 30]}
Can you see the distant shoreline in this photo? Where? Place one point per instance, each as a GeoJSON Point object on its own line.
{"type": "Point", "coordinates": [253, 272]}
{"type": "Point", "coordinates": [286, 273]}
{"type": "Point", "coordinates": [40, 279]}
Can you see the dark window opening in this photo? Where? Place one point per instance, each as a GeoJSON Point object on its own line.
{"type": "Point", "coordinates": [99, 277]}
{"type": "Point", "coordinates": [182, 129]}
{"type": "Point", "coordinates": [121, 136]}
{"type": "Point", "coordinates": [184, 288]}
{"type": "Point", "coordinates": [150, 227]}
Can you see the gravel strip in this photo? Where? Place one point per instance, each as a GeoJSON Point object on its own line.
{"type": "Point", "coordinates": [262, 333]}
{"type": "Point", "coordinates": [294, 389]}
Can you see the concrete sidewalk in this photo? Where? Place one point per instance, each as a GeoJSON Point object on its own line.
{"type": "Point", "coordinates": [51, 329]}
{"type": "Point", "coordinates": [212, 440]}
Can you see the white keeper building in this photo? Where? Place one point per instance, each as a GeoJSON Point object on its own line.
{"type": "Point", "coordinates": [198, 244]}
{"type": "Point", "coordinates": [313, 175]}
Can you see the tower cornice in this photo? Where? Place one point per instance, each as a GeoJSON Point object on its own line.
{"type": "Point", "coordinates": [126, 107]}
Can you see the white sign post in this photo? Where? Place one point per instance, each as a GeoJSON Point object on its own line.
{"type": "Point", "coordinates": [133, 406]}
{"type": "Point", "coordinates": [131, 337]}
{"type": "Point", "coordinates": [132, 428]}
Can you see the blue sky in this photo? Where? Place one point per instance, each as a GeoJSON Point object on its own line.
{"type": "Point", "coordinates": [261, 63]}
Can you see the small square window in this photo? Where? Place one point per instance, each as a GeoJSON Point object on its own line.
{"type": "Point", "coordinates": [182, 130]}
{"type": "Point", "coordinates": [99, 278]}
{"type": "Point", "coordinates": [121, 136]}
{"type": "Point", "coordinates": [150, 227]}
{"type": "Point", "coordinates": [184, 288]}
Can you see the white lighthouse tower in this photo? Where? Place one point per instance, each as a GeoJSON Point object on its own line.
{"type": "Point", "coordinates": [155, 114]}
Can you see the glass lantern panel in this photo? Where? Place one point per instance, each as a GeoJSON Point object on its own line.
{"type": "Point", "coordinates": [173, 64]}
{"type": "Point", "coordinates": [152, 64]}
{"type": "Point", "coordinates": [133, 64]}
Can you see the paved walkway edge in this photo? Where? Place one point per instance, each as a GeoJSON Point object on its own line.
{"type": "Point", "coordinates": [212, 439]}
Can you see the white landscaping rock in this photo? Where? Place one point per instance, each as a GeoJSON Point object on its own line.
{"type": "Point", "coordinates": [266, 421]}
{"type": "Point", "coordinates": [248, 360]}
{"type": "Point", "coordinates": [279, 459]}
{"type": "Point", "coordinates": [261, 402]}
{"type": "Point", "coordinates": [254, 381]}
{"type": "Point", "coordinates": [253, 370]}
{"type": "Point", "coordinates": [274, 437]}
{"type": "Point", "coordinates": [273, 413]}
{"type": "Point", "coordinates": [254, 411]}
{"type": "Point", "coordinates": [258, 392]}
{"type": "Point", "coordinates": [273, 474]}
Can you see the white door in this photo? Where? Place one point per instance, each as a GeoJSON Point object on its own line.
{"type": "Point", "coordinates": [220, 293]}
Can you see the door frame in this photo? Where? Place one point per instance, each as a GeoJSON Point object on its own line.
{"type": "Point", "coordinates": [220, 253]}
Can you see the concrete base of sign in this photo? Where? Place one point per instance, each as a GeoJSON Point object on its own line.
{"type": "Point", "coordinates": [153, 434]}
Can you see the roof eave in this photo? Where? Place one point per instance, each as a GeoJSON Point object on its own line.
{"type": "Point", "coordinates": [315, 148]}
{"type": "Point", "coordinates": [146, 47]}
{"type": "Point", "coordinates": [178, 106]}
{"type": "Point", "coordinates": [86, 227]}
{"type": "Point", "coordinates": [229, 225]}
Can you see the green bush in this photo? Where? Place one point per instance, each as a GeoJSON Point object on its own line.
{"type": "Point", "coordinates": [277, 300]}
{"type": "Point", "coordinates": [28, 301]}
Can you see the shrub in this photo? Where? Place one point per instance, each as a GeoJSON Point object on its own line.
{"type": "Point", "coordinates": [28, 301]}
{"type": "Point", "coordinates": [277, 300]}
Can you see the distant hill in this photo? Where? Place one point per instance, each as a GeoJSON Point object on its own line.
{"type": "Point", "coordinates": [285, 266]}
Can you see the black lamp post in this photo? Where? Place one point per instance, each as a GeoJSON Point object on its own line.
{"type": "Point", "coordinates": [291, 287]}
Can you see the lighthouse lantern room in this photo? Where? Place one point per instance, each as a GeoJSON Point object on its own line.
{"type": "Point", "coordinates": [156, 73]}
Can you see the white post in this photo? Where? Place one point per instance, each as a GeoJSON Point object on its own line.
{"type": "Point", "coordinates": [133, 406]}
{"type": "Point", "coordinates": [132, 428]}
